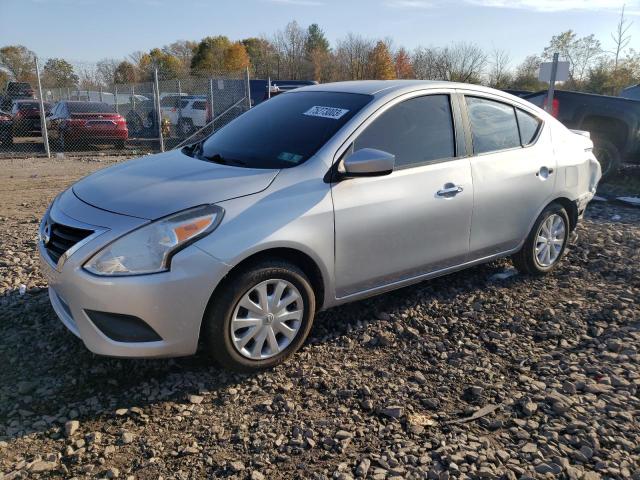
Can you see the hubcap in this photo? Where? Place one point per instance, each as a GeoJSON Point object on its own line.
{"type": "Point", "coordinates": [550, 240]}
{"type": "Point", "coordinates": [267, 319]}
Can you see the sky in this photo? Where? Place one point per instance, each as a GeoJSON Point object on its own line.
{"type": "Point", "coordinates": [89, 30]}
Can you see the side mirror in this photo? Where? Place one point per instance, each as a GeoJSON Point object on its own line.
{"type": "Point", "coordinates": [368, 162]}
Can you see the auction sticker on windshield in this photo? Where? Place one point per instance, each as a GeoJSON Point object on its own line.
{"type": "Point", "coordinates": [326, 112]}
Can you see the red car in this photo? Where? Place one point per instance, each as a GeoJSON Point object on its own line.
{"type": "Point", "coordinates": [78, 123]}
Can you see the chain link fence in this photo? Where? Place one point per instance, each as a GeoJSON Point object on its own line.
{"type": "Point", "coordinates": [131, 118]}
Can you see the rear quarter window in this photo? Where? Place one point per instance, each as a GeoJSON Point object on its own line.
{"type": "Point", "coordinates": [529, 126]}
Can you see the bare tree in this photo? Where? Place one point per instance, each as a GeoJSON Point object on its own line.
{"type": "Point", "coordinates": [499, 74]}
{"type": "Point", "coordinates": [290, 47]}
{"type": "Point", "coordinates": [426, 63]}
{"type": "Point", "coordinates": [621, 37]}
{"type": "Point", "coordinates": [106, 70]}
{"type": "Point", "coordinates": [352, 57]}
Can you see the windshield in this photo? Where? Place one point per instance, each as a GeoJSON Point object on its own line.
{"type": "Point", "coordinates": [282, 132]}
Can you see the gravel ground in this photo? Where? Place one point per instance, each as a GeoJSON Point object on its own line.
{"type": "Point", "coordinates": [466, 376]}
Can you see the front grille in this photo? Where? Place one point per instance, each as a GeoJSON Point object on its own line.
{"type": "Point", "coordinates": [62, 238]}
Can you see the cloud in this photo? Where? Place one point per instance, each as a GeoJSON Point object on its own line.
{"type": "Point", "coordinates": [633, 6]}
{"type": "Point", "coordinates": [409, 4]}
{"type": "Point", "coordinates": [300, 3]}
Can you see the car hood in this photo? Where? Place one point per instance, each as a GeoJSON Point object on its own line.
{"type": "Point", "coordinates": [158, 185]}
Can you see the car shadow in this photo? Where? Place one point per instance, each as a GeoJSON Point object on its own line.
{"type": "Point", "coordinates": [48, 376]}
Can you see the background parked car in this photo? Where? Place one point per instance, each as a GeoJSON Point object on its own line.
{"type": "Point", "coordinates": [14, 91]}
{"type": "Point", "coordinates": [614, 123]}
{"type": "Point", "coordinates": [73, 124]}
{"type": "Point", "coordinates": [5, 128]}
{"type": "Point", "coordinates": [187, 113]}
{"type": "Point", "coordinates": [26, 118]}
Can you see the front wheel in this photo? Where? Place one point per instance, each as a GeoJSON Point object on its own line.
{"type": "Point", "coordinates": [259, 317]}
{"type": "Point", "coordinates": [545, 246]}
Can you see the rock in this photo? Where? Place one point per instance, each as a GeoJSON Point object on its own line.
{"type": "Point", "coordinates": [42, 466]}
{"type": "Point", "coordinates": [196, 399]}
{"type": "Point", "coordinates": [343, 435]}
{"type": "Point", "coordinates": [127, 437]}
{"type": "Point", "coordinates": [363, 467]}
{"type": "Point", "coordinates": [393, 411]}
{"type": "Point", "coordinates": [71, 427]}
{"type": "Point", "coordinates": [113, 473]}
{"type": "Point", "coordinates": [255, 475]}
{"type": "Point", "coordinates": [237, 466]}
{"type": "Point", "coordinates": [529, 408]}
{"type": "Point", "coordinates": [529, 448]}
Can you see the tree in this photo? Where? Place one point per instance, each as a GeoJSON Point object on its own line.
{"type": "Point", "coordinates": [499, 75]}
{"type": "Point", "coordinates": [168, 66]}
{"type": "Point", "coordinates": [318, 54]}
{"type": "Point", "coordinates": [290, 46]}
{"type": "Point", "coordinates": [381, 63]}
{"type": "Point", "coordinates": [59, 73]}
{"type": "Point", "coordinates": [460, 62]}
{"type": "Point", "coordinates": [262, 56]}
{"type": "Point", "coordinates": [236, 58]}
{"type": "Point", "coordinates": [403, 66]}
{"type": "Point", "coordinates": [209, 55]}
{"type": "Point", "coordinates": [316, 40]}
{"type": "Point", "coordinates": [19, 61]}
{"type": "Point", "coordinates": [183, 50]}
{"type": "Point", "coordinates": [526, 75]}
{"type": "Point", "coordinates": [106, 69]}
{"type": "Point", "coordinates": [621, 37]}
{"type": "Point", "coordinates": [426, 63]}
{"type": "Point", "coordinates": [4, 78]}
{"type": "Point", "coordinates": [581, 53]}
{"type": "Point", "coordinates": [125, 72]}
{"type": "Point", "coordinates": [352, 57]}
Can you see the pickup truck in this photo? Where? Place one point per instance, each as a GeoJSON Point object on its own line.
{"type": "Point", "coordinates": [613, 122]}
{"type": "Point", "coordinates": [15, 91]}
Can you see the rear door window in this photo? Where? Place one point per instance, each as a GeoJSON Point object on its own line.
{"type": "Point", "coordinates": [493, 125]}
{"type": "Point", "coordinates": [529, 127]}
{"type": "Point", "coordinates": [416, 131]}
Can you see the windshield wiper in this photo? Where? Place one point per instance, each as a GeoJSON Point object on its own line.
{"type": "Point", "coordinates": [217, 158]}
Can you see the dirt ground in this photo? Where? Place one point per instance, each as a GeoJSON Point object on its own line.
{"type": "Point", "coordinates": [466, 376]}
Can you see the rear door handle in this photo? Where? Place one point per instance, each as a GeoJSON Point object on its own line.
{"type": "Point", "coordinates": [450, 190]}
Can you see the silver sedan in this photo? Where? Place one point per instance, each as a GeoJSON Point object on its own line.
{"type": "Point", "coordinates": [317, 197]}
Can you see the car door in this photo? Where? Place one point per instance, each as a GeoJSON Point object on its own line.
{"type": "Point", "coordinates": [513, 168]}
{"type": "Point", "coordinates": [416, 219]}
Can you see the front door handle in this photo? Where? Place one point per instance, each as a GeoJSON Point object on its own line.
{"type": "Point", "coordinates": [449, 190]}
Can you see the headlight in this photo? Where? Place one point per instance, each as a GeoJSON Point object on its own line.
{"type": "Point", "coordinates": [149, 249]}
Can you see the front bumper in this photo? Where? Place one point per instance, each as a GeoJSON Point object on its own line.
{"type": "Point", "coordinates": [171, 303]}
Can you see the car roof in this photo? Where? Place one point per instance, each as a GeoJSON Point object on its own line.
{"type": "Point", "coordinates": [388, 87]}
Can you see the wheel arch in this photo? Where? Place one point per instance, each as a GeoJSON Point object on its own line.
{"type": "Point", "coordinates": [295, 256]}
{"type": "Point", "coordinates": [571, 209]}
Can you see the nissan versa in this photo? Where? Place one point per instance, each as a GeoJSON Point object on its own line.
{"type": "Point", "coordinates": [320, 196]}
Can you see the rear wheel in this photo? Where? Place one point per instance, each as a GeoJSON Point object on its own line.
{"type": "Point", "coordinates": [545, 246]}
{"type": "Point", "coordinates": [259, 317]}
{"type": "Point", "coordinates": [185, 127]}
{"type": "Point", "coordinates": [608, 155]}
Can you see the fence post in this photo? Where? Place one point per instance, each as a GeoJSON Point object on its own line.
{"type": "Point", "coordinates": [211, 103]}
{"type": "Point", "coordinates": [179, 107]}
{"type": "Point", "coordinates": [248, 92]}
{"type": "Point", "coordinates": [269, 88]}
{"type": "Point", "coordinates": [157, 87]}
{"type": "Point", "coordinates": [115, 97]}
{"type": "Point", "coordinates": [100, 94]}
{"type": "Point", "coordinates": [43, 120]}
{"type": "Point", "coordinates": [133, 97]}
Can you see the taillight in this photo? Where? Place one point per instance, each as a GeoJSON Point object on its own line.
{"type": "Point", "coordinates": [120, 120]}
{"type": "Point", "coordinates": [555, 106]}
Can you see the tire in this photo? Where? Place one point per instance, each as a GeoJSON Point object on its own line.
{"type": "Point", "coordinates": [185, 127]}
{"type": "Point", "coordinates": [224, 317]}
{"type": "Point", "coordinates": [527, 260]}
{"type": "Point", "coordinates": [608, 155]}
{"type": "Point", "coordinates": [134, 124]}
